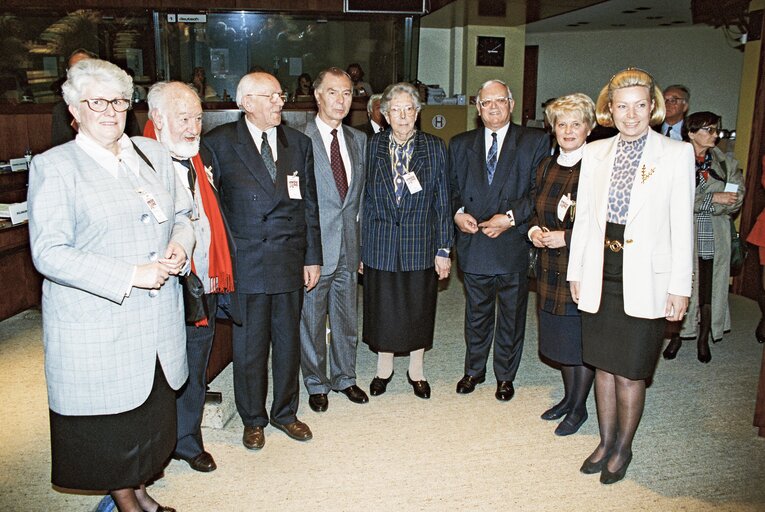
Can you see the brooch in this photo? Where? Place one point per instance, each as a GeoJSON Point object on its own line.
{"type": "Point", "coordinates": [644, 175]}
{"type": "Point", "coordinates": [208, 172]}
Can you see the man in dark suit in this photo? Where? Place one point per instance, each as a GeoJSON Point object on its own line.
{"type": "Point", "coordinates": [376, 122]}
{"type": "Point", "coordinates": [493, 171]}
{"type": "Point", "coordinates": [176, 120]}
{"type": "Point", "coordinates": [264, 173]}
{"type": "Point", "coordinates": [339, 160]}
{"type": "Point", "coordinates": [677, 99]}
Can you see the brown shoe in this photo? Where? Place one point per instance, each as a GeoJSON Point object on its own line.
{"type": "Point", "coordinates": [253, 438]}
{"type": "Point", "coordinates": [297, 430]}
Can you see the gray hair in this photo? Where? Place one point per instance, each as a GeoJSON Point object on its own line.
{"type": "Point", "coordinates": [494, 81]}
{"type": "Point", "coordinates": [335, 71]}
{"type": "Point", "coordinates": [96, 72]}
{"type": "Point", "coordinates": [394, 89]}
{"type": "Point", "coordinates": [681, 88]}
{"type": "Point", "coordinates": [371, 102]}
{"type": "Point", "coordinates": [162, 92]}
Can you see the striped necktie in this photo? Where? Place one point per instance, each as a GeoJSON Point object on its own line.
{"type": "Point", "coordinates": [491, 159]}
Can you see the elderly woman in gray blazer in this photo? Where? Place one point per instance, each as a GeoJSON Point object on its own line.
{"type": "Point", "coordinates": [110, 235]}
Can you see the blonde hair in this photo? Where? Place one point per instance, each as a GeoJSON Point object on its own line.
{"type": "Point", "coordinates": [630, 77]}
{"type": "Point", "coordinates": [576, 103]}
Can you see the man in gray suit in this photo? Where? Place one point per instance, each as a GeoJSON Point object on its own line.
{"type": "Point", "coordinates": [339, 153]}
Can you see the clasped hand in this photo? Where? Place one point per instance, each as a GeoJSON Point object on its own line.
{"type": "Point", "coordinates": [153, 275]}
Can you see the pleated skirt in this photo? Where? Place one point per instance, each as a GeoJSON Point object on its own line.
{"type": "Point", "coordinates": [399, 310]}
{"type": "Point", "coordinates": [115, 451]}
{"type": "Point", "coordinates": [612, 340]}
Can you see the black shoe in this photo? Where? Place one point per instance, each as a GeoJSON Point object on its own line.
{"type": "Point", "coordinates": [355, 394]}
{"type": "Point", "coordinates": [557, 411]}
{"type": "Point", "coordinates": [203, 462]}
{"type": "Point", "coordinates": [672, 348]}
{"type": "Point", "coordinates": [570, 425]}
{"type": "Point", "coordinates": [421, 387]}
{"type": "Point", "coordinates": [468, 383]}
{"type": "Point", "coordinates": [378, 385]}
{"type": "Point", "coordinates": [318, 402]}
{"type": "Point", "coordinates": [590, 468]}
{"type": "Point", "coordinates": [505, 390]}
{"type": "Point", "coordinates": [606, 477]}
{"type": "Point", "coordinates": [702, 343]}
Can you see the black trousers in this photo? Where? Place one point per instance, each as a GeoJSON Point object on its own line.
{"type": "Point", "coordinates": [269, 321]}
{"type": "Point", "coordinates": [495, 311]}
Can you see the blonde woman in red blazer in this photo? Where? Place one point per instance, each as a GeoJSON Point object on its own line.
{"type": "Point", "coordinates": [631, 254]}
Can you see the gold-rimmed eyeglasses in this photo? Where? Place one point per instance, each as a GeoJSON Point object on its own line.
{"type": "Point", "coordinates": [408, 110]}
{"type": "Point", "coordinates": [101, 104]}
{"type": "Point", "coordinates": [271, 97]}
{"type": "Point", "coordinates": [490, 102]}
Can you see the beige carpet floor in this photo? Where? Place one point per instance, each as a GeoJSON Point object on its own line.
{"type": "Point", "coordinates": [696, 449]}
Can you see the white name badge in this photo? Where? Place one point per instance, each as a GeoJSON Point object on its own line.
{"type": "Point", "coordinates": [18, 212]}
{"type": "Point", "coordinates": [731, 187]}
{"type": "Point", "coordinates": [412, 183]}
{"type": "Point", "coordinates": [293, 186]}
{"type": "Point", "coordinates": [154, 208]}
{"type": "Point", "coordinates": [563, 205]}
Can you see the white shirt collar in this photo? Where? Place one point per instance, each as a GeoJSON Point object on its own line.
{"type": "Point", "coordinates": [105, 158]}
{"type": "Point", "coordinates": [500, 138]}
{"type": "Point", "coordinates": [257, 136]}
{"type": "Point", "coordinates": [326, 130]}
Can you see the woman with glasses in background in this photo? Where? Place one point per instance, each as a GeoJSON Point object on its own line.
{"type": "Point", "coordinates": [719, 194]}
{"type": "Point", "coordinates": [110, 235]}
{"type": "Point", "coordinates": [406, 232]}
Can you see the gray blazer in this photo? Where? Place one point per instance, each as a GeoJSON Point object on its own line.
{"type": "Point", "coordinates": [87, 232]}
{"type": "Point", "coordinates": [335, 215]}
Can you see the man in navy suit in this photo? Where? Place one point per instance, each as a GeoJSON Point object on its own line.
{"type": "Point", "coordinates": [493, 171]}
{"type": "Point", "coordinates": [264, 174]}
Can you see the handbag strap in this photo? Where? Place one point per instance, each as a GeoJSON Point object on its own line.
{"type": "Point", "coordinates": [143, 156]}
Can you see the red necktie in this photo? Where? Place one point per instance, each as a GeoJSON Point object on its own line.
{"type": "Point", "coordinates": [338, 169]}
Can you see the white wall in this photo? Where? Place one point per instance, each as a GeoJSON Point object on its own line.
{"type": "Point", "coordinates": [440, 58]}
{"type": "Point", "coordinates": [698, 57]}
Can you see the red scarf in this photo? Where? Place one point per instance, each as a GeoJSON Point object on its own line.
{"type": "Point", "coordinates": [221, 272]}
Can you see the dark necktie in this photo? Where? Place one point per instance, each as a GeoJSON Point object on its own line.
{"type": "Point", "coordinates": [669, 130]}
{"type": "Point", "coordinates": [191, 175]}
{"type": "Point", "coordinates": [338, 169]}
{"type": "Point", "coordinates": [268, 157]}
{"type": "Point", "coordinates": [491, 159]}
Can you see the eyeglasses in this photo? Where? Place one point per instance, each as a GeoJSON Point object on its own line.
{"type": "Point", "coordinates": [101, 104]}
{"type": "Point", "coordinates": [673, 100]}
{"type": "Point", "coordinates": [711, 130]}
{"type": "Point", "coordinates": [490, 102]}
{"type": "Point", "coordinates": [272, 97]}
{"type": "Point", "coordinates": [407, 110]}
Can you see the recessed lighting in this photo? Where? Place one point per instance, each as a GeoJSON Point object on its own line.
{"type": "Point", "coordinates": [654, 17]}
{"type": "Point", "coordinates": [573, 25]}
{"type": "Point", "coordinates": [629, 12]}
{"type": "Point", "coordinates": [618, 24]}
{"type": "Point", "coordinates": [678, 22]}
{"type": "Point", "coordinates": [642, 8]}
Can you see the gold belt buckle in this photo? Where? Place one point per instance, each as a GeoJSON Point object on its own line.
{"type": "Point", "coordinates": [615, 245]}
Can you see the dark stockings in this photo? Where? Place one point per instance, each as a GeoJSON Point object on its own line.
{"type": "Point", "coordinates": [577, 381]}
{"type": "Point", "coordinates": [134, 500]}
{"type": "Point", "coordinates": [620, 403]}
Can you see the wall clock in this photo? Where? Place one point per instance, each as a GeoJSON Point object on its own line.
{"type": "Point", "coordinates": [490, 51]}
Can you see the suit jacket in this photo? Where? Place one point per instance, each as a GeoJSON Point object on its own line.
{"type": "Point", "coordinates": [275, 236]}
{"type": "Point", "coordinates": [406, 236]}
{"type": "Point", "coordinates": [512, 188]}
{"type": "Point", "coordinates": [88, 230]}
{"type": "Point", "coordinates": [339, 219]}
{"type": "Point", "coordinates": [659, 231]}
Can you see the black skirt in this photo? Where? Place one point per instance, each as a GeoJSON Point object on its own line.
{"type": "Point", "coordinates": [399, 310]}
{"type": "Point", "coordinates": [115, 451]}
{"type": "Point", "coordinates": [560, 336]}
{"type": "Point", "coordinates": [612, 340]}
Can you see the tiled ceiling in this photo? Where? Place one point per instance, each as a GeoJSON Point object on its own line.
{"type": "Point", "coordinates": [618, 15]}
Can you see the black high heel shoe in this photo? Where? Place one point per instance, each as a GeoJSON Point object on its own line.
{"type": "Point", "coordinates": [606, 477]}
{"type": "Point", "coordinates": [378, 385]}
{"type": "Point", "coordinates": [421, 387]}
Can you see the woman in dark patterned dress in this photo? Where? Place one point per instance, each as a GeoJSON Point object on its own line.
{"type": "Point", "coordinates": [631, 257]}
{"type": "Point", "coordinates": [572, 118]}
